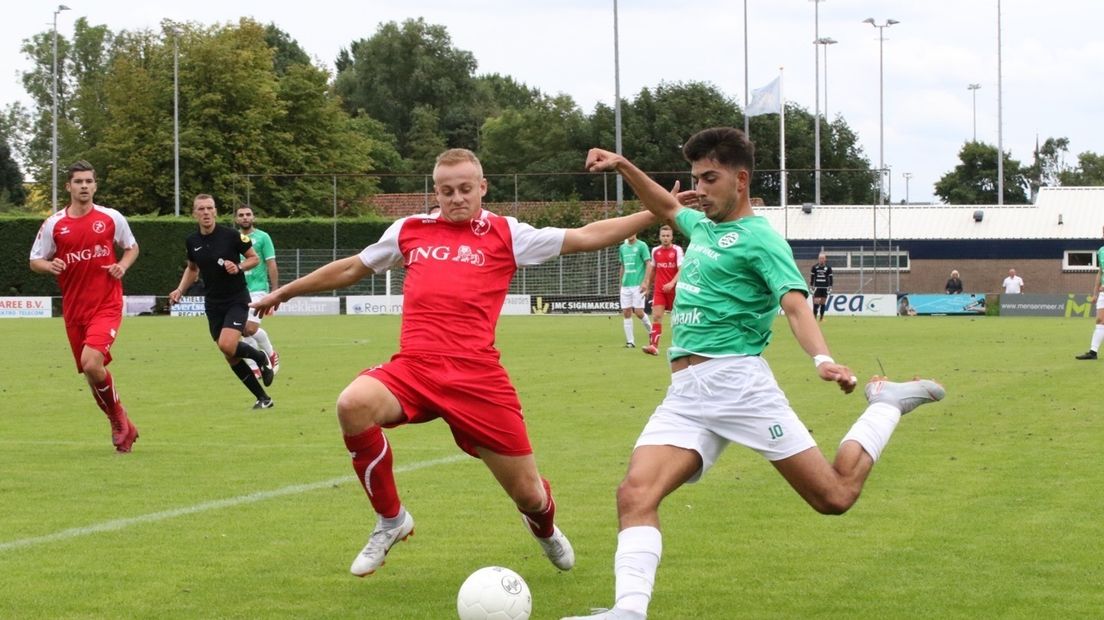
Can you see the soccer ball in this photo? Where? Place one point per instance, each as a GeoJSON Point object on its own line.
{"type": "Point", "coordinates": [494, 593]}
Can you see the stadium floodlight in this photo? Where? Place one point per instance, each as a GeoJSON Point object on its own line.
{"type": "Point", "coordinates": [53, 98]}
{"type": "Point", "coordinates": [816, 115]}
{"type": "Point", "coordinates": [881, 102]}
{"type": "Point", "coordinates": [973, 88]}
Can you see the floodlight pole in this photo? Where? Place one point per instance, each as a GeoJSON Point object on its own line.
{"type": "Point", "coordinates": [973, 88]}
{"type": "Point", "coordinates": [54, 102]}
{"type": "Point", "coordinates": [617, 107]}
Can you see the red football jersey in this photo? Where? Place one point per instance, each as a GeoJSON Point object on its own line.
{"type": "Point", "coordinates": [87, 245]}
{"type": "Point", "coordinates": [667, 262]}
{"type": "Point", "coordinates": [457, 276]}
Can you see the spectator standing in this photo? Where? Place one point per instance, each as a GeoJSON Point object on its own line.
{"type": "Point", "coordinates": [954, 283]}
{"type": "Point", "coordinates": [1013, 284]}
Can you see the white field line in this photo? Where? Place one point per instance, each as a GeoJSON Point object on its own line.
{"type": "Point", "coordinates": [153, 517]}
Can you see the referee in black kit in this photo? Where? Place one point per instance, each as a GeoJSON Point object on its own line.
{"type": "Point", "coordinates": [820, 280]}
{"type": "Point", "coordinates": [214, 251]}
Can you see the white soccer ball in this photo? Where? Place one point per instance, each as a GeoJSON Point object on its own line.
{"type": "Point", "coordinates": [494, 593]}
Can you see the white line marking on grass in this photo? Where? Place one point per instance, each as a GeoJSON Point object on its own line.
{"type": "Point", "coordinates": [153, 517]}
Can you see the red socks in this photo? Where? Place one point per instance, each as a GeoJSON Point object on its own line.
{"type": "Point", "coordinates": [657, 329]}
{"type": "Point", "coordinates": [372, 461]}
{"type": "Point", "coordinates": [106, 397]}
{"type": "Point", "coordinates": [541, 522]}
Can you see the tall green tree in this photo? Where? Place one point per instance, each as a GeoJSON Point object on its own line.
{"type": "Point", "coordinates": [12, 193]}
{"type": "Point", "coordinates": [538, 143]}
{"type": "Point", "coordinates": [1088, 173]}
{"type": "Point", "coordinates": [1048, 165]}
{"type": "Point", "coordinates": [974, 180]}
{"type": "Point", "coordinates": [402, 67]}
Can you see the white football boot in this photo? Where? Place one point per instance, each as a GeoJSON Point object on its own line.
{"type": "Point", "coordinates": [379, 543]}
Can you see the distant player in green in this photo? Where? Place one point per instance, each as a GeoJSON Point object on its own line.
{"type": "Point", "coordinates": [1098, 331]}
{"type": "Point", "coordinates": [635, 258]}
{"type": "Point", "coordinates": [736, 273]}
{"type": "Point", "coordinates": [261, 280]}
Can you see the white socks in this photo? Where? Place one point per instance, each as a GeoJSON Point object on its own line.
{"type": "Point", "coordinates": [873, 428]}
{"type": "Point", "coordinates": [634, 567]}
{"type": "Point", "coordinates": [261, 337]}
{"type": "Point", "coordinates": [629, 331]}
{"type": "Point", "coordinates": [1098, 337]}
{"type": "Point", "coordinates": [647, 321]}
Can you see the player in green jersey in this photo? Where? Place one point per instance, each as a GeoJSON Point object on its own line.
{"type": "Point", "coordinates": [736, 273]}
{"type": "Point", "coordinates": [261, 280]}
{"type": "Point", "coordinates": [1098, 331]}
{"type": "Point", "coordinates": [634, 257]}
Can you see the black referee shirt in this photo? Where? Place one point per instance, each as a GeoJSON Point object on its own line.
{"type": "Point", "coordinates": [210, 252]}
{"type": "Point", "coordinates": [821, 276]}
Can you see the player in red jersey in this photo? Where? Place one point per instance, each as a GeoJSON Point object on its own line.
{"type": "Point", "coordinates": [663, 270]}
{"type": "Point", "coordinates": [77, 244]}
{"type": "Point", "coordinates": [459, 264]}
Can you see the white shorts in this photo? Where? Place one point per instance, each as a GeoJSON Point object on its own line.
{"type": "Point", "coordinates": [722, 401]}
{"type": "Point", "coordinates": [255, 296]}
{"type": "Point", "coordinates": [631, 297]}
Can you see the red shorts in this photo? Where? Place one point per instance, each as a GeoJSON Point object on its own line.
{"type": "Point", "coordinates": [662, 298]}
{"type": "Point", "coordinates": [473, 396]}
{"type": "Point", "coordinates": [98, 332]}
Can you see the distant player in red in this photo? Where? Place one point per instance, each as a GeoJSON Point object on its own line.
{"type": "Point", "coordinates": [459, 264]}
{"type": "Point", "coordinates": [77, 244]}
{"type": "Point", "coordinates": [663, 270]}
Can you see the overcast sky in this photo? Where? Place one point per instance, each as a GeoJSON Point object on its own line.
{"type": "Point", "coordinates": [1053, 81]}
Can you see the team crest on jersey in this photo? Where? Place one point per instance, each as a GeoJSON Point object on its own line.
{"type": "Point", "coordinates": [466, 255]}
{"type": "Point", "coordinates": [98, 226]}
{"type": "Point", "coordinates": [690, 272]}
{"type": "Point", "coordinates": [480, 227]}
{"type": "Point", "coordinates": [728, 240]}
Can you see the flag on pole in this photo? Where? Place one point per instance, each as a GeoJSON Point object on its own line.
{"type": "Point", "coordinates": [766, 100]}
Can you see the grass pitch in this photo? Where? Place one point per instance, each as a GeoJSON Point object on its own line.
{"type": "Point", "coordinates": [986, 505]}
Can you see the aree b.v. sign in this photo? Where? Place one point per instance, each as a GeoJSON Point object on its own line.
{"type": "Point", "coordinates": [25, 308]}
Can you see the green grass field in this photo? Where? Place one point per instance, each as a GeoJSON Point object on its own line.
{"type": "Point", "coordinates": [987, 505]}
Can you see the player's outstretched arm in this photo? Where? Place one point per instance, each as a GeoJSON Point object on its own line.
{"type": "Point", "coordinates": [604, 233]}
{"type": "Point", "coordinates": [808, 335]}
{"type": "Point", "coordinates": [655, 198]}
{"type": "Point", "coordinates": [338, 274]}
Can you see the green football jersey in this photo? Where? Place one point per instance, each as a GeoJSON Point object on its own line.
{"type": "Point", "coordinates": [256, 279]}
{"type": "Point", "coordinates": [730, 286]}
{"type": "Point", "coordinates": [634, 258]}
{"type": "Point", "coordinates": [1100, 262]}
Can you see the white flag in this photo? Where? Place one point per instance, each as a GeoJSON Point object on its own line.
{"type": "Point", "coordinates": [766, 100]}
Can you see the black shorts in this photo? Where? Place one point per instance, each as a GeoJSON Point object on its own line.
{"type": "Point", "coordinates": [226, 315]}
{"type": "Point", "coordinates": [820, 292]}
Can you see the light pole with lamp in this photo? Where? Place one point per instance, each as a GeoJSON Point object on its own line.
{"type": "Point", "coordinates": [907, 175]}
{"type": "Point", "coordinates": [826, 41]}
{"type": "Point", "coordinates": [176, 119]}
{"type": "Point", "coordinates": [881, 102]}
{"type": "Point", "coordinates": [881, 131]}
{"type": "Point", "coordinates": [54, 98]}
{"type": "Point", "coordinates": [617, 107]}
{"type": "Point", "coordinates": [973, 88]}
{"type": "Point", "coordinates": [816, 123]}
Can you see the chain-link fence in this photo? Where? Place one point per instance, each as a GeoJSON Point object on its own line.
{"type": "Point", "coordinates": [587, 273]}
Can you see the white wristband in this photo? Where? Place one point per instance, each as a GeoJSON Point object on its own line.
{"type": "Point", "coordinates": [822, 359]}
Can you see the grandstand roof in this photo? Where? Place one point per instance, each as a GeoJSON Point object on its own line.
{"type": "Point", "coordinates": [1058, 213]}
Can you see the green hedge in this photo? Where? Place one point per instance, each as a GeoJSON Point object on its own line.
{"type": "Point", "coordinates": [162, 257]}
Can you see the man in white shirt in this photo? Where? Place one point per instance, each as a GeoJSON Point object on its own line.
{"type": "Point", "coordinates": [1013, 284]}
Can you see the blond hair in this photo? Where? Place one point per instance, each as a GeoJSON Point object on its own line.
{"type": "Point", "coordinates": [452, 157]}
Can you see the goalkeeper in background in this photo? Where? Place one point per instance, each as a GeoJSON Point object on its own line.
{"type": "Point", "coordinates": [820, 280]}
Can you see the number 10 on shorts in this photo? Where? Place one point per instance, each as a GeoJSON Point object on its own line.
{"type": "Point", "coordinates": [776, 431]}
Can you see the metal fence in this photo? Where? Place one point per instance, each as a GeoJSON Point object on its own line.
{"type": "Point", "coordinates": [588, 273]}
